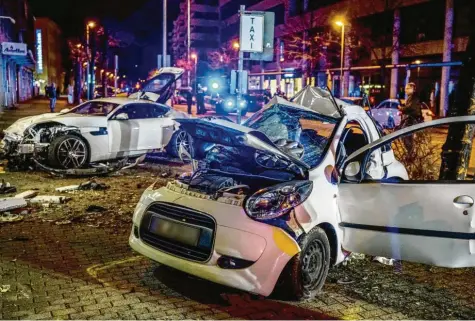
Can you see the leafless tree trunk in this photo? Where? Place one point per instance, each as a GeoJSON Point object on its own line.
{"type": "Point", "coordinates": [458, 146]}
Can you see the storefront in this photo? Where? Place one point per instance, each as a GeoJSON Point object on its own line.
{"type": "Point", "coordinates": [17, 65]}
{"type": "Point", "coordinates": [288, 81]}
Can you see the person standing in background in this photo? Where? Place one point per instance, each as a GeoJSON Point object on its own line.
{"type": "Point", "coordinates": [52, 94]}
{"type": "Point", "coordinates": [189, 100]}
{"type": "Point", "coordinates": [70, 94]}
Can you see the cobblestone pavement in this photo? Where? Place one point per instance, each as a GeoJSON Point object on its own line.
{"type": "Point", "coordinates": [81, 272]}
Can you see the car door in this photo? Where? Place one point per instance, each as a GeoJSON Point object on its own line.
{"type": "Point", "coordinates": [142, 130]}
{"type": "Point", "coordinates": [123, 131]}
{"type": "Point", "coordinates": [380, 114]}
{"type": "Point", "coordinates": [427, 218]}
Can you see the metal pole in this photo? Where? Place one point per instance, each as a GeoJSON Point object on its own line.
{"type": "Point", "coordinates": [116, 71]}
{"type": "Point", "coordinates": [164, 33]}
{"type": "Point", "coordinates": [189, 41]}
{"type": "Point", "coordinates": [240, 72]}
{"type": "Point", "coordinates": [342, 85]}
{"type": "Point", "coordinates": [88, 75]}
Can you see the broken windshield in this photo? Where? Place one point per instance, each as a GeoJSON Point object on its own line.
{"type": "Point", "coordinates": [314, 132]}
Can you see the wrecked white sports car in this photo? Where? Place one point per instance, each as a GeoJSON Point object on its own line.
{"type": "Point", "coordinates": [100, 129]}
{"type": "Point", "coordinates": [263, 196]}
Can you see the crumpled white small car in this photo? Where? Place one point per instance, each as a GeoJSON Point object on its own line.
{"type": "Point", "coordinates": [100, 129]}
{"type": "Point", "coordinates": [262, 202]}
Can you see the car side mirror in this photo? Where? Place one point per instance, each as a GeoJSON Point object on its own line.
{"type": "Point", "coordinates": [122, 116]}
{"type": "Point", "coordinates": [352, 170]}
{"type": "Point", "coordinates": [64, 111]}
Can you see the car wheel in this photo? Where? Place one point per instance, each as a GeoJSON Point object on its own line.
{"type": "Point", "coordinates": [391, 124]}
{"type": "Point", "coordinates": [306, 272]}
{"type": "Point", "coordinates": [68, 151]}
{"type": "Point", "coordinates": [179, 138]}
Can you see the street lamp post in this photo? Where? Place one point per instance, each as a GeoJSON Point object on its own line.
{"type": "Point", "coordinates": [90, 72]}
{"type": "Point", "coordinates": [194, 56]}
{"type": "Point", "coordinates": [342, 82]}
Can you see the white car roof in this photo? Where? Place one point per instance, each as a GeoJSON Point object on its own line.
{"type": "Point", "coordinates": [121, 100]}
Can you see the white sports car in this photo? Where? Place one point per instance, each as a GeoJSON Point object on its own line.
{"type": "Point", "coordinates": [263, 199]}
{"type": "Point", "coordinates": [100, 129]}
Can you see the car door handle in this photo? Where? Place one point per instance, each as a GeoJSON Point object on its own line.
{"type": "Point", "coordinates": [463, 202]}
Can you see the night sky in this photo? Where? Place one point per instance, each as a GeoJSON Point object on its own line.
{"type": "Point", "coordinates": [71, 14]}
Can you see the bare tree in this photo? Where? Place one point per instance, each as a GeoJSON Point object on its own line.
{"type": "Point", "coordinates": [458, 146]}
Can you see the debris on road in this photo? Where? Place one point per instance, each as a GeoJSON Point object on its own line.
{"type": "Point", "coordinates": [10, 218]}
{"type": "Point", "coordinates": [69, 188]}
{"type": "Point", "coordinates": [6, 188]}
{"type": "Point", "coordinates": [137, 162]}
{"type": "Point", "coordinates": [93, 185]}
{"type": "Point", "coordinates": [8, 204]}
{"type": "Point", "coordinates": [4, 288]}
{"type": "Point", "coordinates": [345, 281]}
{"type": "Point", "coordinates": [384, 260]}
{"type": "Point", "coordinates": [95, 209]}
{"type": "Point", "coordinates": [49, 199]}
{"type": "Point", "coordinates": [63, 222]}
{"type": "Point", "coordinates": [98, 170]}
{"type": "Point", "coordinates": [27, 194]}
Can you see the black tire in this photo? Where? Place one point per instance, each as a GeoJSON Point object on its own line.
{"type": "Point", "coordinates": [60, 149]}
{"type": "Point", "coordinates": [174, 144]}
{"type": "Point", "coordinates": [391, 124]}
{"type": "Point", "coordinates": [305, 274]}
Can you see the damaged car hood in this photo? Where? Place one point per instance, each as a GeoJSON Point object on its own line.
{"type": "Point", "coordinates": [76, 120]}
{"type": "Point", "coordinates": [225, 133]}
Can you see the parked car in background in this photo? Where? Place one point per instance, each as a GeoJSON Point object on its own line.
{"type": "Point", "coordinates": [226, 104]}
{"type": "Point", "coordinates": [358, 101]}
{"type": "Point", "coordinates": [180, 96]}
{"type": "Point", "coordinates": [387, 113]}
{"type": "Point", "coordinates": [99, 92]}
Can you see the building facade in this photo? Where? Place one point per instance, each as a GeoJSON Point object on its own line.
{"type": "Point", "coordinates": [196, 32]}
{"type": "Point", "coordinates": [410, 34]}
{"type": "Point", "coordinates": [17, 59]}
{"type": "Point", "coordinates": [49, 65]}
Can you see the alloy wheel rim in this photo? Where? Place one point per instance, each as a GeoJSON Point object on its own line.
{"type": "Point", "coordinates": [72, 153]}
{"type": "Point", "coordinates": [312, 264]}
{"type": "Point", "coordinates": [182, 139]}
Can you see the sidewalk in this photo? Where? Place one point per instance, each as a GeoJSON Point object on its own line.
{"type": "Point", "coordinates": [30, 108]}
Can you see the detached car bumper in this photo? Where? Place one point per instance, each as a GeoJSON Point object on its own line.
{"type": "Point", "coordinates": [243, 253]}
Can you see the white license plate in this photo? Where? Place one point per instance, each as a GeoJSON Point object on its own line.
{"type": "Point", "coordinates": [175, 231]}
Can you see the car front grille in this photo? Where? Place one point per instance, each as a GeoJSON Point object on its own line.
{"type": "Point", "coordinates": [201, 252]}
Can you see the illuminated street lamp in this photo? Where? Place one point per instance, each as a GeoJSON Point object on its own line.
{"type": "Point", "coordinates": [236, 45]}
{"type": "Point", "coordinates": [341, 24]}
{"type": "Point", "coordinates": [90, 74]}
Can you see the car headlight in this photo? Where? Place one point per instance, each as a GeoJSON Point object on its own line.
{"type": "Point", "coordinates": [275, 201]}
{"type": "Point", "coordinates": [242, 103]}
{"type": "Point", "coordinates": [229, 103]}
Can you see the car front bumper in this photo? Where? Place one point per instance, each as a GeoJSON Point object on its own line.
{"type": "Point", "coordinates": [236, 236]}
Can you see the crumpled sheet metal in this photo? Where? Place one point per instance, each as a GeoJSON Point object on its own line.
{"type": "Point", "coordinates": [84, 172]}
{"type": "Point", "coordinates": [317, 100]}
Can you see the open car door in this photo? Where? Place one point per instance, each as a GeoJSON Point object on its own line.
{"type": "Point", "coordinates": [161, 87]}
{"type": "Point", "coordinates": [423, 219]}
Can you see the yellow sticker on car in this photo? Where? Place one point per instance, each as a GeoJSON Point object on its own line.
{"type": "Point", "coordinates": [284, 242]}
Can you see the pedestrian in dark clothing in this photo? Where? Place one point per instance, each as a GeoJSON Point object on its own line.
{"type": "Point", "coordinates": [411, 114]}
{"type": "Point", "coordinates": [412, 111]}
{"type": "Point", "coordinates": [52, 94]}
{"type": "Point", "coordinates": [200, 100]}
{"type": "Point", "coordinates": [267, 96]}
{"type": "Point", "coordinates": [189, 100]}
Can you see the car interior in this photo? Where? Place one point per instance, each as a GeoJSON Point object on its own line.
{"type": "Point", "coordinates": [353, 138]}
